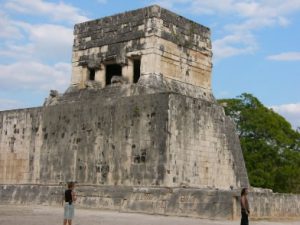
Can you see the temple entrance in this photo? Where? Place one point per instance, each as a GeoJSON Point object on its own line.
{"type": "Point", "coordinates": [136, 70]}
{"type": "Point", "coordinates": [112, 70]}
{"type": "Point", "coordinates": [92, 73]}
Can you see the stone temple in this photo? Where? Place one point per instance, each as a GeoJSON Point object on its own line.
{"type": "Point", "coordinates": [138, 128]}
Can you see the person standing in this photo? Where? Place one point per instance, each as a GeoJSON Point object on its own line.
{"type": "Point", "coordinates": [69, 199]}
{"type": "Point", "coordinates": [244, 207]}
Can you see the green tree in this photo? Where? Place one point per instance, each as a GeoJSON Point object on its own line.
{"type": "Point", "coordinates": [270, 146]}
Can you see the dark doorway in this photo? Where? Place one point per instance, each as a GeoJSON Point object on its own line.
{"type": "Point", "coordinates": [112, 70]}
{"type": "Point", "coordinates": [136, 70]}
{"type": "Point", "coordinates": [92, 74]}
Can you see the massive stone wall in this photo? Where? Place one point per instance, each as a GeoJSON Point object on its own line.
{"type": "Point", "coordinates": [114, 142]}
{"type": "Point", "coordinates": [143, 139]}
{"type": "Point", "coordinates": [20, 144]}
{"type": "Point", "coordinates": [266, 204]}
{"type": "Point", "coordinates": [117, 141]}
{"type": "Point", "coordinates": [201, 203]}
{"type": "Point", "coordinates": [203, 148]}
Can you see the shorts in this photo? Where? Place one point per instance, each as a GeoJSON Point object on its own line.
{"type": "Point", "coordinates": [68, 211]}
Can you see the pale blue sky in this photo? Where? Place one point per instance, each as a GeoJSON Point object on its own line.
{"type": "Point", "coordinates": [255, 43]}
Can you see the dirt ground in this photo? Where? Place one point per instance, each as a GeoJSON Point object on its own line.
{"type": "Point", "coordinates": [46, 215]}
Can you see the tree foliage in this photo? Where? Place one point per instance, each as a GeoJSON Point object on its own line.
{"type": "Point", "coordinates": [270, 146]}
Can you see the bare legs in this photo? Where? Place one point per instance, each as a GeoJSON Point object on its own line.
{"type": "Point", "coordinates": [67, 221]}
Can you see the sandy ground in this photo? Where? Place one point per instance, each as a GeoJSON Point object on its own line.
{"type": "Point", "coordinates": [46, 215]}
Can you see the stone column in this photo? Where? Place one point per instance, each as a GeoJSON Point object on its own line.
{"type": "Point", "coordinates": [127, 71]}
{"type": "Point", "coordinates": [82, 76]}
{"type": "Point", "coordinates": [100, 75]}
{"type": "Point", "coordinates": [151, 63]}
{"type": "Point", "coordinates": [78, 75]}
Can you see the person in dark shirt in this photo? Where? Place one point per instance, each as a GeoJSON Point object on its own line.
{"type": "Point", "coordinates": [69, 199]}
{"type": "Point", "coordinates": [244, 207]}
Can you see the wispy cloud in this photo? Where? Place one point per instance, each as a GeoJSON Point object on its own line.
{"type": "Point", "coordinates": [41, 42]}
{"type": "Point", "coordinates": [252, 16]}
{"type": "Point", "coordinates": [38, 42]}
{"type": "Point", "coordinates": [244, 9]}
{"type": "Point", "coordinates": [286, 56]}
{"type": "Point", "coordinates": [55, 11]}
{"type": "Point", "coordinates": [34, 76]}
{"type": "Point", "coordinates": [290, 111]}
{"type": "Point", "coordinates": [36, 56]}
{"type": "Point", "coordinates": [238, 43]}
{"type": "Point", "coordinates": [249, 16]}
{"type": "Point", "coordinates": [8, 29]}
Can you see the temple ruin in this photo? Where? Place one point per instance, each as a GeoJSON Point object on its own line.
{"type": "Point", "coordinates": [138, 128]}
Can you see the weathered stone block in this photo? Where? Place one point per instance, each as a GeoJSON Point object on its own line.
{"type": "Point", "coordinates": [167, 44]}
